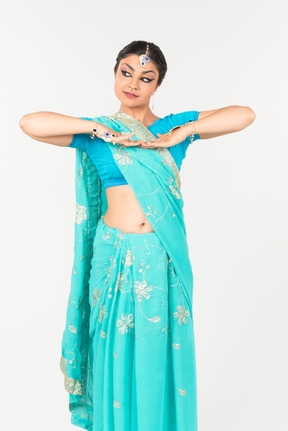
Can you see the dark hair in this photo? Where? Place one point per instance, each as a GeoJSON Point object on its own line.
{"type": "Point", "coordinates": [138, 47]}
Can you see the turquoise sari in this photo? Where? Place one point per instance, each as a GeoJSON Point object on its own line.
{"type": "Point", "coordinates": [154, 177]}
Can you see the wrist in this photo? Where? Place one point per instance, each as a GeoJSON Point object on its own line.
{"type": "Point", "coordinates": [191, 130]}
{"type": "Point", "coordinates": [93, 129]}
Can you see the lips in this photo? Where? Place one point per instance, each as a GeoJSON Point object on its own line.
{"type": "Point", "coordinates": [129, 94]}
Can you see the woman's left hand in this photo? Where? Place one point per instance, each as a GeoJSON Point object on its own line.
{"type": "Point", "coordinates": [177, 135]}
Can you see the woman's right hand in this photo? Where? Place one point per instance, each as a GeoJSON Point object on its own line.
{"type": "Point", "coordinates": [110, 135]}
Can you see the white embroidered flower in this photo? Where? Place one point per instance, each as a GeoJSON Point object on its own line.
{"type": "Point", "coordinates": [107, 235]}
{"type": "Point", "coordinates": [176, 346]}
{"type": "Point", "coordinates": [181, 313]}
{"type": "Point", "coordinates": [123, 158]}
{"type": "Point", "coordinates": [154, 319]}
{"type": "Point", "coordinates": [120, 278]}
{"type": "Point", "coordinates": [102, 313]}
{"type": "Point", "coordinates": [182, 392]}
{"type": "Point", "coordinates": [80, 213]}
{"type": "Point", "coordinates": [129, 258]}
{"type": "Point", "coordinates": [141, 290]}
{"type": "Point", "coordinates": [95, 296]}
{"type": "Point", "coordinates": [125, 323]}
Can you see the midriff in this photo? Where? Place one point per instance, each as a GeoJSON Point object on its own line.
{"type": "Point", "coordinates": [124, 211]}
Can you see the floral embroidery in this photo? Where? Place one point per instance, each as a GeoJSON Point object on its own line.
{"type": "Point", "coordinates": [119, 281]}
{"type": "Point", "coordinates": [165, 328]}
{"type": "Point", "coordinates": [73, 386]}
{"type": "Point", "coordinates": [107, 235]}
{"type": "Point", "coordinates": [102, 313]}
{"type": "Point", "coordinates": [123, 158]}
{"type": "Point", "coordinates": [175, 193]}
{"type": "Point", "coordinates": [182, 392]}
{"type": "Point", "coordinates": [181, 313]}
{"type": "Point", "coordinates": [96, 295]}
{"type": "Point", "coordinates": [113, 264]}
{"type": "Point", "coordinates": [72, 329]}
{"type": "Point", "coordinates": [79, 304]}
{"type": "Point", "coordinates": [80, 213]}
{"type": "Point", "coordinates": [141, 289]}
{"type": "Point", "coordinates": [155, 319]}
{"type": "Point", "coordinates": [103, 334]}
{"type": "Point", "coordinates": [116, 404]}
{"type": "Point", "coordinates": [125, 323]}
{"type": "Point", "coordinates": [129, 258]}
{"type": "Point", "coordinates": [176, 346]}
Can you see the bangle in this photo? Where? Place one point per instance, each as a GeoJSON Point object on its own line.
{"type": "Point", "coordinates": [193, 132]}
{"type": "Point", "coordinates": [94, 131]}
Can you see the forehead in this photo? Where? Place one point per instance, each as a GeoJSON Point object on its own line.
{"type": "Point", "coordinates": [133, 60]}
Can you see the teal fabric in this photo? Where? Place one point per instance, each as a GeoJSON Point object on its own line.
{"type": "Point", "coordinates": [99, 152]}
{"type": "Point", "coordinates": [128, 348]}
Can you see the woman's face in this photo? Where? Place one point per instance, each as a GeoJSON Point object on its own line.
{"type": "Point", "coordinates": [133, 79]}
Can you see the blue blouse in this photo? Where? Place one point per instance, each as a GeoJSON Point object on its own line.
{"type": "Point", "coordinates": [102, 156]}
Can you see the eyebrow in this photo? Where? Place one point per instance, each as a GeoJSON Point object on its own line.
{"type": "Point", "coordinates": [144, 71]}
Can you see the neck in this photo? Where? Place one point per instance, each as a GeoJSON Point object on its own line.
{"type": "Point", "coordinates": [143, 114]}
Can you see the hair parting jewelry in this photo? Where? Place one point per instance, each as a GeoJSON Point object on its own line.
{"type": "Point", "coordinates": [143, 58]}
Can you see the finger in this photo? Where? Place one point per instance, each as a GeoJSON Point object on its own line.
{"type": "Point", "coordinates": [121, 138]}
{"type": "Point", "coordinates": [125, 135]}
{"type": "Point", "coordinates": [149, 143]}
{"type": "Point", "coordinates": [133, 143]}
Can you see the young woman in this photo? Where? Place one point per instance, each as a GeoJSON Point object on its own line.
{"type": "Point", "coordinates": [128, 351]}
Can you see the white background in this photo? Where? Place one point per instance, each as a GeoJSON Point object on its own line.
{"type": "Point", "coordinates": [59, 56]}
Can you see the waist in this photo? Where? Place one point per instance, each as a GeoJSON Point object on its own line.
{"type": "Point", "coordinates": [127, 222]}
{"type": "Point", "coordinates": [124, 211]}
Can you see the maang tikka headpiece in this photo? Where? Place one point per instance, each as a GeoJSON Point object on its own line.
{"type": "Point", "coordinates": [143, 58]}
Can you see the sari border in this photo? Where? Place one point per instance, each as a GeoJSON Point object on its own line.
{"type": "Point", "coordinates": [73, 386]}
{"type": "Point", "coordinates": [143, 132]}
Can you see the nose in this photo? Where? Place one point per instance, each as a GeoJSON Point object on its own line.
{"type": "Point", "coordinates": [133, 86]}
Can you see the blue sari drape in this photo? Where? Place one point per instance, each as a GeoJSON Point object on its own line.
{"type": "Point", "coordinates": [154, 177]}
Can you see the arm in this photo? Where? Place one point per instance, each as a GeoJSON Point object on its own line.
{"type": "Point", "coordinates": [53, 128]}
{"type": "Point", "coordinates": [222, 121]}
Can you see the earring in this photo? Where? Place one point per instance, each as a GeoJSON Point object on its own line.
{"type": "Point", "coordinates": [153, 102]}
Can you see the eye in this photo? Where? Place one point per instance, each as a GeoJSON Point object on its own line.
{"type": "Point", "coordinates": [125, 71]}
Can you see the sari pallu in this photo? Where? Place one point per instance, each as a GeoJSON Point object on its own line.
{"type": "Point", "coordinates": [154, 178]}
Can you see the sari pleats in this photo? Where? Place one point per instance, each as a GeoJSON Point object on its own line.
{"type": "Point", "coordinates": [143, 362]}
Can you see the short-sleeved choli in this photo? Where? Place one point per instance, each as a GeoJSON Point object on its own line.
{"type": "Point", "coordinates": [102, 157]}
